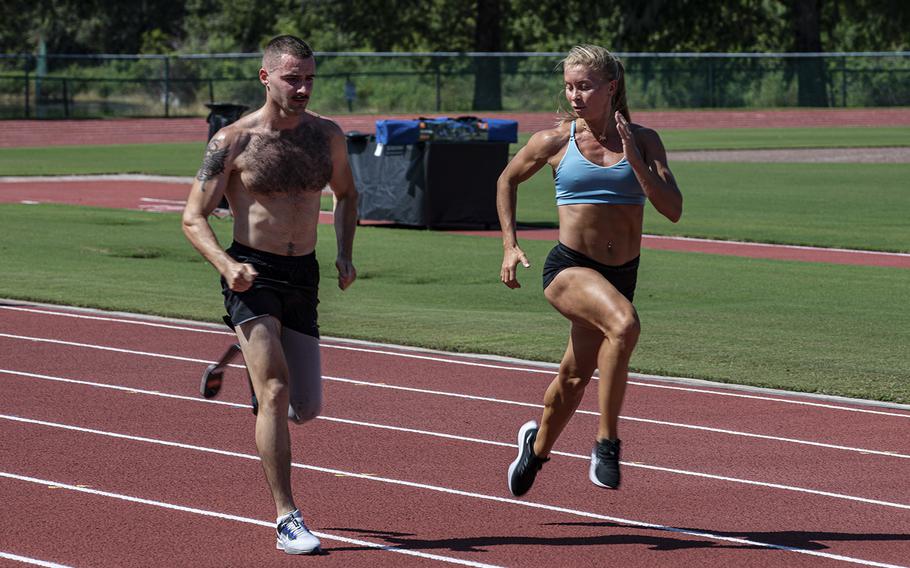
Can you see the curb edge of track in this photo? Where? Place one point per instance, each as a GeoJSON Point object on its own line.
{"type": "Point", "coordinates": [688, 381]}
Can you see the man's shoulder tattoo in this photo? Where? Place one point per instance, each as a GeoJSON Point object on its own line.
{"type": "Point", "coordinates": [213, 162]}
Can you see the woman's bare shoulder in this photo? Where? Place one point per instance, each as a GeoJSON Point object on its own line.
{"type": "Point", "coordinates": [550, 141]}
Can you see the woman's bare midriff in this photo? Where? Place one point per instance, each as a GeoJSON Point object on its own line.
{"type": "Point", "coordinates": [609, 234]}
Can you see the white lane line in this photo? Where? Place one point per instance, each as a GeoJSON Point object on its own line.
{"type": "Point", "coordinates": [159, 200]}
{"type": "Point", "coordinates": [775, 246]}
{"type": "Point", "coordinates": [100, 177]}
{"type": "Point", "coordinates": [772, 399]}
{"type": "Point", "coordinates": [378, 349]}
{"type": "Point", "coordinates": [474, 397]}
{"type": "Point", "coordinates": [629, 418]}
{"type": "Point", "coordinates": [236, 518]}
{"type": "Point", "coordinates": [32, 561]}
{"type": "Point", "coordinates": [118, 320]}
{"type": "Point", "coordinates": [447, 436]}
{"type": "Point", "coordinates": [424, 486]}
{"type": "Point", "coordinates": [161, 208]}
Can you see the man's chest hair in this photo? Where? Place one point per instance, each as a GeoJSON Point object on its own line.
{"type": "Point", "coordinates": [286, 161]}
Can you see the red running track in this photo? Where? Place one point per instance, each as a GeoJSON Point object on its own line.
{"type": "Point", "coordinates": [28, 133]}
{"type": "Point", "coordinates": [109, 457]}
{"type": "Point", "coordinates": [120, 193]}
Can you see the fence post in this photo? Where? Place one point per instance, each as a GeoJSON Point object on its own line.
{"type": "Point", "coordinates": [712, 99]}
{"type": "Point", "coordinates": [843, 80]}
{"type": "Point", "coordinates": [211, 90]}
{"type": "Point", "coordinates": [438, 86]}
{"type": "Point", "coordinates": [167, 86]}
{"type": "Point", "coordinates": [28, 93]}
{"type": "Point", "coordinates": [66, 98]}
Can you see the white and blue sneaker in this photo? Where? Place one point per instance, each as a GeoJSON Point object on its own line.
{"type": "Point", "coordinates": [293, 537]}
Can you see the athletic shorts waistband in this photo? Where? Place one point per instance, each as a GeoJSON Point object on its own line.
{"type": "Point", "coordinates": [584, 259]}
{"type": "Point", "coordinates": [270, 257]}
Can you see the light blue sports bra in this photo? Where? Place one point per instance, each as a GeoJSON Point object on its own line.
{"type": "Point", "coordinates": [578, 180]}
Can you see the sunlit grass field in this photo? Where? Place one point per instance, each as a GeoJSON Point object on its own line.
{"type": "Point", "coordinates": [861, 206]}
{"type": "Point", "coordinates": [801, 326]}
{"type": "Point", "coordinates": [182, 159]}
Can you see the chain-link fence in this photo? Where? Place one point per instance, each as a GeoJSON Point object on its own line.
{"type": "Point", "coordinates": [84, 86]}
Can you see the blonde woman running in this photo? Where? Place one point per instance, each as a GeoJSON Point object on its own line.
{"type": "Point", "coordinates": [605, 169]}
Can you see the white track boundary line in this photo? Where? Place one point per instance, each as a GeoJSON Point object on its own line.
{"type": "Point", "coordinates": [777, 246]}
{"type": "Point", "coordinates": [436, 488]}
{"type": "Point", "coordinates": [181, 180]}
{"type": "Point", "coordinates": [166, 201]}
{"type": "Point", "coordinates": [474, 440]}
{"type": "Point", "coordinates": [772, 399]}
{"type": "Point", "coordinates": [473, 397]}
{"type": "Point", "coordinates": [120, 320]}
{"type": "Point", "coordinates": [32, 561]}
{"type": "Point", "coordinates": [236, 518]}
{"type": "Point", "coordinates": [382, 349]}
{"type": "Point", "coordinates": [629, 418]}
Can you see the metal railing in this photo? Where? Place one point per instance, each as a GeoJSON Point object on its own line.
{"type": "Point", "coordinates": [101, 85]}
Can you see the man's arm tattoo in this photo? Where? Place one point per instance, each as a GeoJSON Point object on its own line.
{"type": "Point", "coordinates": [212, 163]}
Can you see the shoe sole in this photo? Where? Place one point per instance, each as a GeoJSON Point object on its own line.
{"type": "Point", "coordinates": [592, 475]}
{"type": "Point", "coordinates": [316, 550]}
{"type": "Point", "coordinates": [213, 376]}
{"type": "Point", "coordinates": [522, 433]}
{"type": "Point", "coordinates": [211, 382]}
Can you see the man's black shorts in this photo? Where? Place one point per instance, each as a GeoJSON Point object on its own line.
{"type": "Point", "coordinates": [623, 277]}
{"type": "Point", "coordinates": [286, 288]}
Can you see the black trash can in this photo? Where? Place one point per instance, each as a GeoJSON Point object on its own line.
{"type": "Point", "coordinates": [220, 115]}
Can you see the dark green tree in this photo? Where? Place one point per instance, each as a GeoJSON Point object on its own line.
{"type": "Point", "coordinates": [87, 26]}
{"type": "Point", "coordinates": [806, 16]}
{"type": "Point", "coordinates": [869, 25]}
{"type": "Point", "coordinates": [231, 25]}
{"type": "Point", "coordinates": [488, 70]}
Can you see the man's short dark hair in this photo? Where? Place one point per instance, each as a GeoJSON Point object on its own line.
{"type": "Point", "coordinates": [286, 44]}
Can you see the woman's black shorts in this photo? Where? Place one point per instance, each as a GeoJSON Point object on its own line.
{"type": "Point", "coordinates": [286, 288]}
{"type": "Point", "coordinates": [623, 277]}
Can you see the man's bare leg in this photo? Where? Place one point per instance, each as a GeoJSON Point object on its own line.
{"type": "Point", "coordinates": [260, 340]}
{"type": "Point", "coordinates": [305, 375]}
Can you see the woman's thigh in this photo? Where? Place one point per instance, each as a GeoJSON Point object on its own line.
{"type": "Point", "coordinates": [589, 300]}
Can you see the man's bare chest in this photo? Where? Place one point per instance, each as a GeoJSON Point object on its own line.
{"type": "Point", "coordinates": [286, 161]}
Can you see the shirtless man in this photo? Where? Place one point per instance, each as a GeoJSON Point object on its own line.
{"type": "Point", "coordinates": [272, 165]}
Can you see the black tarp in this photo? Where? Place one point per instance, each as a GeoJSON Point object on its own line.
{"type": "Point", "coordinates": [428, 184]}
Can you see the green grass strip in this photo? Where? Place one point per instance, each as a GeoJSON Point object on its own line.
{"type": "Point", "coordinates": [801, 326]}
{"type": "Point", "coordinates": [862, 206]}
{"type": "Point", "coordinates": [771, 138]}
{"type": "Point", "coordinates": [183, 159]}
{"type": "Point", "coordinates": [177, 159]}
{"type": "Point", "coordinates": [679, 139]}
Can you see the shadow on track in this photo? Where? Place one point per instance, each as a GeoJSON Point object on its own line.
{"type": "Point", "coordinates": [805, 540]}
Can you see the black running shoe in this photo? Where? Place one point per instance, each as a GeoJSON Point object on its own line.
{"type": "Point", "coordinates": [604, 470]}
{"type": "Point", "coordinates": [213, 375]}
{"type": "Point", "coordinates": [525, 467]}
